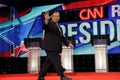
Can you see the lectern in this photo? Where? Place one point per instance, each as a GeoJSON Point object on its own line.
{"type": "Point", "coordinates": [100, 43]}
{"type": "Point", "coordinates": [67, 56]}
{"type": "Point", "coordinates": [67, 59]}
{"type": "Point", "coordinates": [33, 45]}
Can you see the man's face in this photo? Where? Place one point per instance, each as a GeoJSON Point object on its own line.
{"type": "Point", "coordinates": [56, 17]}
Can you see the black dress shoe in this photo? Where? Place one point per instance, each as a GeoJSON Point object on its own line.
{"type": "Point", "coordinates": [41, 78]}
{"type": "Point", "coordinates": [65, 78]}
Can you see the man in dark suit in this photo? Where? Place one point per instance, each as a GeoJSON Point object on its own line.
{"type": "Point", "coordinates": [52, 44]}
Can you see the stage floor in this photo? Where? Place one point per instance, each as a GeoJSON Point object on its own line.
{"type": "Point", "coordinates": [74, 76]}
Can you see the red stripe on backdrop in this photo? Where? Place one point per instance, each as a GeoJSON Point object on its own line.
{"type": "Point", "coordinates": [22, 47]}
{"type": "Point", "coordinates": [16, 51]}
{"type": "Point", "coordinates": [87, 3]}
{"type": "Point", "coordinates": [5, 54]}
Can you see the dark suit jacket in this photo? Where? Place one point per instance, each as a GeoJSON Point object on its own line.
{"type": "Point", "coordinates": [52, 38]}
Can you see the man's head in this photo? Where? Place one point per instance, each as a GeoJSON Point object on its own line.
{"type": "Point", "coordinates": [55, 17]}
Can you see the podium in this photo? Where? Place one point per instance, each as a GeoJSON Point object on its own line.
{"type": "Point", "coordinates": [67, 59]}
{"type": "Point", "coordinates": [33, 46]}
{"type": "Point", "coordinates": [100, 43]}
{"type": "Point", "coordinates": [67, 56]}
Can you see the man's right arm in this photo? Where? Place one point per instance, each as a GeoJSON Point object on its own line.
{"type": "Point", "coordinates": [46, 20]}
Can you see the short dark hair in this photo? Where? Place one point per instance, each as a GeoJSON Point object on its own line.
{"type": "Point", "coordinates": [51, 13]}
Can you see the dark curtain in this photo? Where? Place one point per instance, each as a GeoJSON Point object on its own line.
{"type": "Point", "coordinates": [31, 3]}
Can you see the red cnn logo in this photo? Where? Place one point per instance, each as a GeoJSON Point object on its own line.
{"type": "Point", "coordinates": [87, 14]}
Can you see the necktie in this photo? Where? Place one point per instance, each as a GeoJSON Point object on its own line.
{"type": "Point", "coordinates": [59, 30]}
